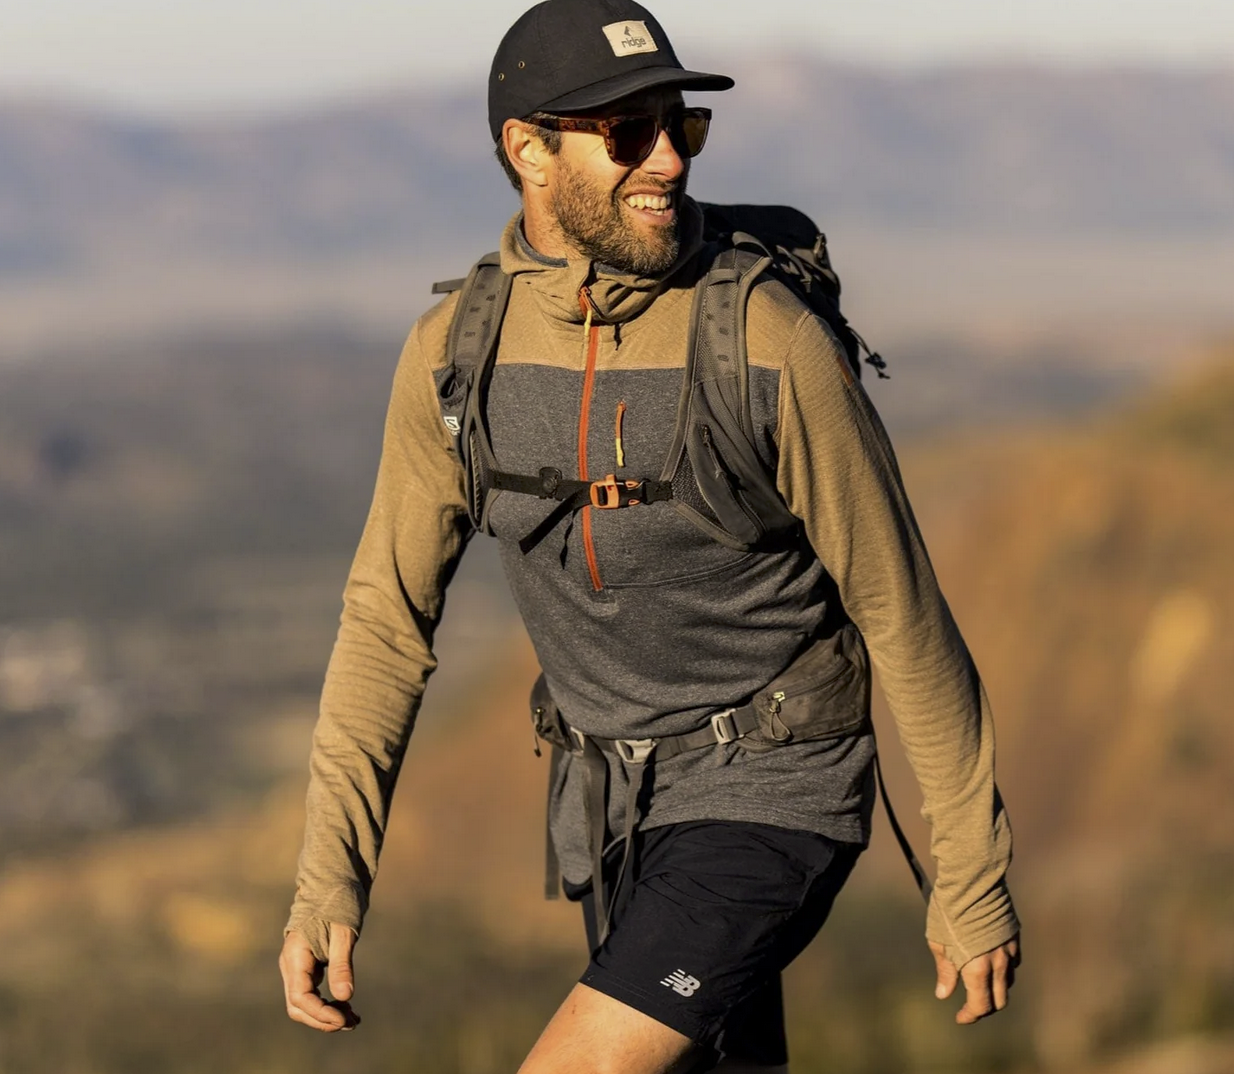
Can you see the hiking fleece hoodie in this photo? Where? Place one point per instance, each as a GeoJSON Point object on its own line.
{"type": "Point", "coordinates": [643, 623]}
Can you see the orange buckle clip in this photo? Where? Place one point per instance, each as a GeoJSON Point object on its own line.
{"type": "Point", "coordinates": [606, 494]}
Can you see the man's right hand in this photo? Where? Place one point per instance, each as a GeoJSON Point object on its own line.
{"type": "Point", "coordinates": [987, 979]}
{"type": "Point", "coordinates": [302, 977]}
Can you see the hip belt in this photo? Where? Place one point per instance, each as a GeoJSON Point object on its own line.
{"type": "Point", "coordinates": [824, 693]}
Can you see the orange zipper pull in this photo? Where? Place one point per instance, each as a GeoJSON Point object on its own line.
{"type": "Point", "coordinates": [621, 451]}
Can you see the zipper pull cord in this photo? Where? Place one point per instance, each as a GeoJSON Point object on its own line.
{"type": "Point", "coordinates": [621, 451]}
{"type": "Point", "coordinates": [587, 309]}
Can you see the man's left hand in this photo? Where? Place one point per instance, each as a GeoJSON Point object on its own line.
{"type": "Point", "coordinates": [987, 979]}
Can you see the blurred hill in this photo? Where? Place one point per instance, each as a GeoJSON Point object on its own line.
{"type": "Point", "coordinates": [1088, 566]}
{"type": "Point", "coordinates": [1024, 200]}
{"type": "Point", "coordinates": [1091, 571]}
{"type": "Point", "coordinates": [175, 528]}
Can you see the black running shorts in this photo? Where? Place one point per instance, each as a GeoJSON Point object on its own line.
{"type": "Point", "coordinates": [715, 911]}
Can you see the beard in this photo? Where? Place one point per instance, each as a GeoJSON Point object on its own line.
{"type": "Point", "coordinates": [593, 221]}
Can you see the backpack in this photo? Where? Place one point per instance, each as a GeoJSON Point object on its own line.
{"type": "Point", "coordinates": [714, 475]}
{"type": "Point", "coordinates": [799, 259]}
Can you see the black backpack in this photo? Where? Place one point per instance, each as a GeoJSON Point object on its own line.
{"type": "Point", "coordinates": [714, 475]}
{"type": "Point", "coordinates": [799, 258]}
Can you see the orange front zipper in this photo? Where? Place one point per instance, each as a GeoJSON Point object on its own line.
{"type": "Point", "coordinates": [592, 333]}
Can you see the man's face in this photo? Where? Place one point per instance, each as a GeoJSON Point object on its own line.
{"type": "Point", "coordinates": [624, 216]}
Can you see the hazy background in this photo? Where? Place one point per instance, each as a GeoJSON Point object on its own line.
{"type": "Point", "coordinates": [155, 56]}
{"type": "Point", "coordinates": [217, 223]}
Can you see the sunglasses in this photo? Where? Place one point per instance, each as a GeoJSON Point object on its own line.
{"type": "Point", "coordinates": [630, 139]}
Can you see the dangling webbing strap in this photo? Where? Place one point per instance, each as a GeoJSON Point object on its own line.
{"type": "Point", "coordinates": [919, 874]}
{"type": "Point", "coordinates": [636, 760]}
{"type": "Point", "coordinates": [552, 867]}
{"type": "Point", "coordinates": [595, 811]}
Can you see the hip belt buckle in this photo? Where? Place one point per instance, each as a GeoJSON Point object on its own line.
{"type": "Point", "coordinates": [725, 727]}
{"type": "Point", "coordinates": [634, 750]}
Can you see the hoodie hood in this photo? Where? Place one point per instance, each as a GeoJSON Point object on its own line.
{"type": "Point", "coordinates": [617, 297]}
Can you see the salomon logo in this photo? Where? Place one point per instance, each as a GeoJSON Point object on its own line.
{"type": "Point", "coordinates": [452, 424]}
{"type": "Point", "coordinates": [682, 983]}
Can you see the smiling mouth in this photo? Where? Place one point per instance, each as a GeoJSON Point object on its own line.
{"type": "Point", "coordinates": [653, 204]}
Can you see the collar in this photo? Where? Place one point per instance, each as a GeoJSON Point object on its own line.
{"type": "Point", "coordinates": [617, 297]}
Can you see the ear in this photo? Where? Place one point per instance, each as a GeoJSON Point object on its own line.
{"type": "Point", "coordinates": [527, 153]}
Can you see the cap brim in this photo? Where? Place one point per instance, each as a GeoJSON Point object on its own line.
{"type": "Point", "coordinates": [613, 89]}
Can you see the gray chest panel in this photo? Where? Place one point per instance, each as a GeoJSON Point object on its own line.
{"type": "Point", "coordinates": [533, 416]}
{"type": "Point", "coordinates": [684, 624]}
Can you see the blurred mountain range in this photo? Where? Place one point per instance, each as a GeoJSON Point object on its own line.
{"type": "Point", "coordinates": [977, 194]}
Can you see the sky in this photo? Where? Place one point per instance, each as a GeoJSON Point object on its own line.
{"type": "Point", "coordinates": [170, 56]}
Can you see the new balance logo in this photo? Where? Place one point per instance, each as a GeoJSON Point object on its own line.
{"type": "Point", "coordinates": [682, 983]}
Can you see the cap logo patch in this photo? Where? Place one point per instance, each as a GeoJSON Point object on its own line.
{"type": "Point", "coordinates": [629, 38]}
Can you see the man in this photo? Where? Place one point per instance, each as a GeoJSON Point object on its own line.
{"type": "Point", "coordinates": [650, 623]}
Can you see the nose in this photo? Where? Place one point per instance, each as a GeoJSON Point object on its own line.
{"type": "Point", "coordinates": [664, 160]}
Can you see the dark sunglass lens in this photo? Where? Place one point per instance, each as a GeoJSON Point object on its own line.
{"type": "Point", "coordinates": [631, 139]}
{"type": "Point", "coordinates": [694, 126]}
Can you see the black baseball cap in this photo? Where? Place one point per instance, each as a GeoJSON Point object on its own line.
{"type": "Point", "coordinates": [572, 55]}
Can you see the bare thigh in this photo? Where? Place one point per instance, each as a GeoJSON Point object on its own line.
{"type": "Point", "coordinates": [592, 1033]}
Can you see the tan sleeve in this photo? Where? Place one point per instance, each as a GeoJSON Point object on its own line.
{"type": "Point", "coordinates": [416, 530]}
{"type": "Point", "coordinates": [838, 473]}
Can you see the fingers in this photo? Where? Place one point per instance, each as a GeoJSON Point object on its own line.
{"type": "Point", "coordinates": [1005, 959]}
{"type": "Point", "coordinates": [300, 1011]}
{"type": "Point", "coordinates": [1000, 979]}
{"type": "Point", "coordinates": [979, 992]}
{"type": "Point", "coordinates": [987, 982]}
{"type": "Point", "coordinates": [301, 974]}
{"type": "Point", "coordinates": [339, 974]}
{"type": "Point", "coordinates": [946, 971]}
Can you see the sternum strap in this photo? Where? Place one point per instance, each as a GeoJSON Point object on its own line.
{"type": "Point", "coordinates": [573, 495]}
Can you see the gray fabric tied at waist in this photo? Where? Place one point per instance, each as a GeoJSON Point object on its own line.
{"type": "Point", "coordinates": [638, 755]}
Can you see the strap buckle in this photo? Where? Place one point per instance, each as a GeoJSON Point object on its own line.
{"type": "Point", "coordinates": [725, 727]}
{"type": "Point", "coordinates": [634, 750]}
{"type": "Point", "coordinates": [580, 739]}
{"type": "Point", "coordinates": [550, 481]}
{"type": "Point", "coordinates": [609, 493]}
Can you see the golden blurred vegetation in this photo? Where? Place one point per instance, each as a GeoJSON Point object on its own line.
{"type": "Point", "coordinates": [169, 576]}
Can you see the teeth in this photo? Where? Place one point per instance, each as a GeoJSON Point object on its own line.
{"type": "Point", "coordinates": [654, 202]}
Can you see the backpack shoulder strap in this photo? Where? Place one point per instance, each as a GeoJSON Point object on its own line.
{"type": "Point", "coordinates": [472, 343]}
{"type": "Point", "coordinates": [719, 429]}
{"type": "Point", "coordinates": [471, 350]}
